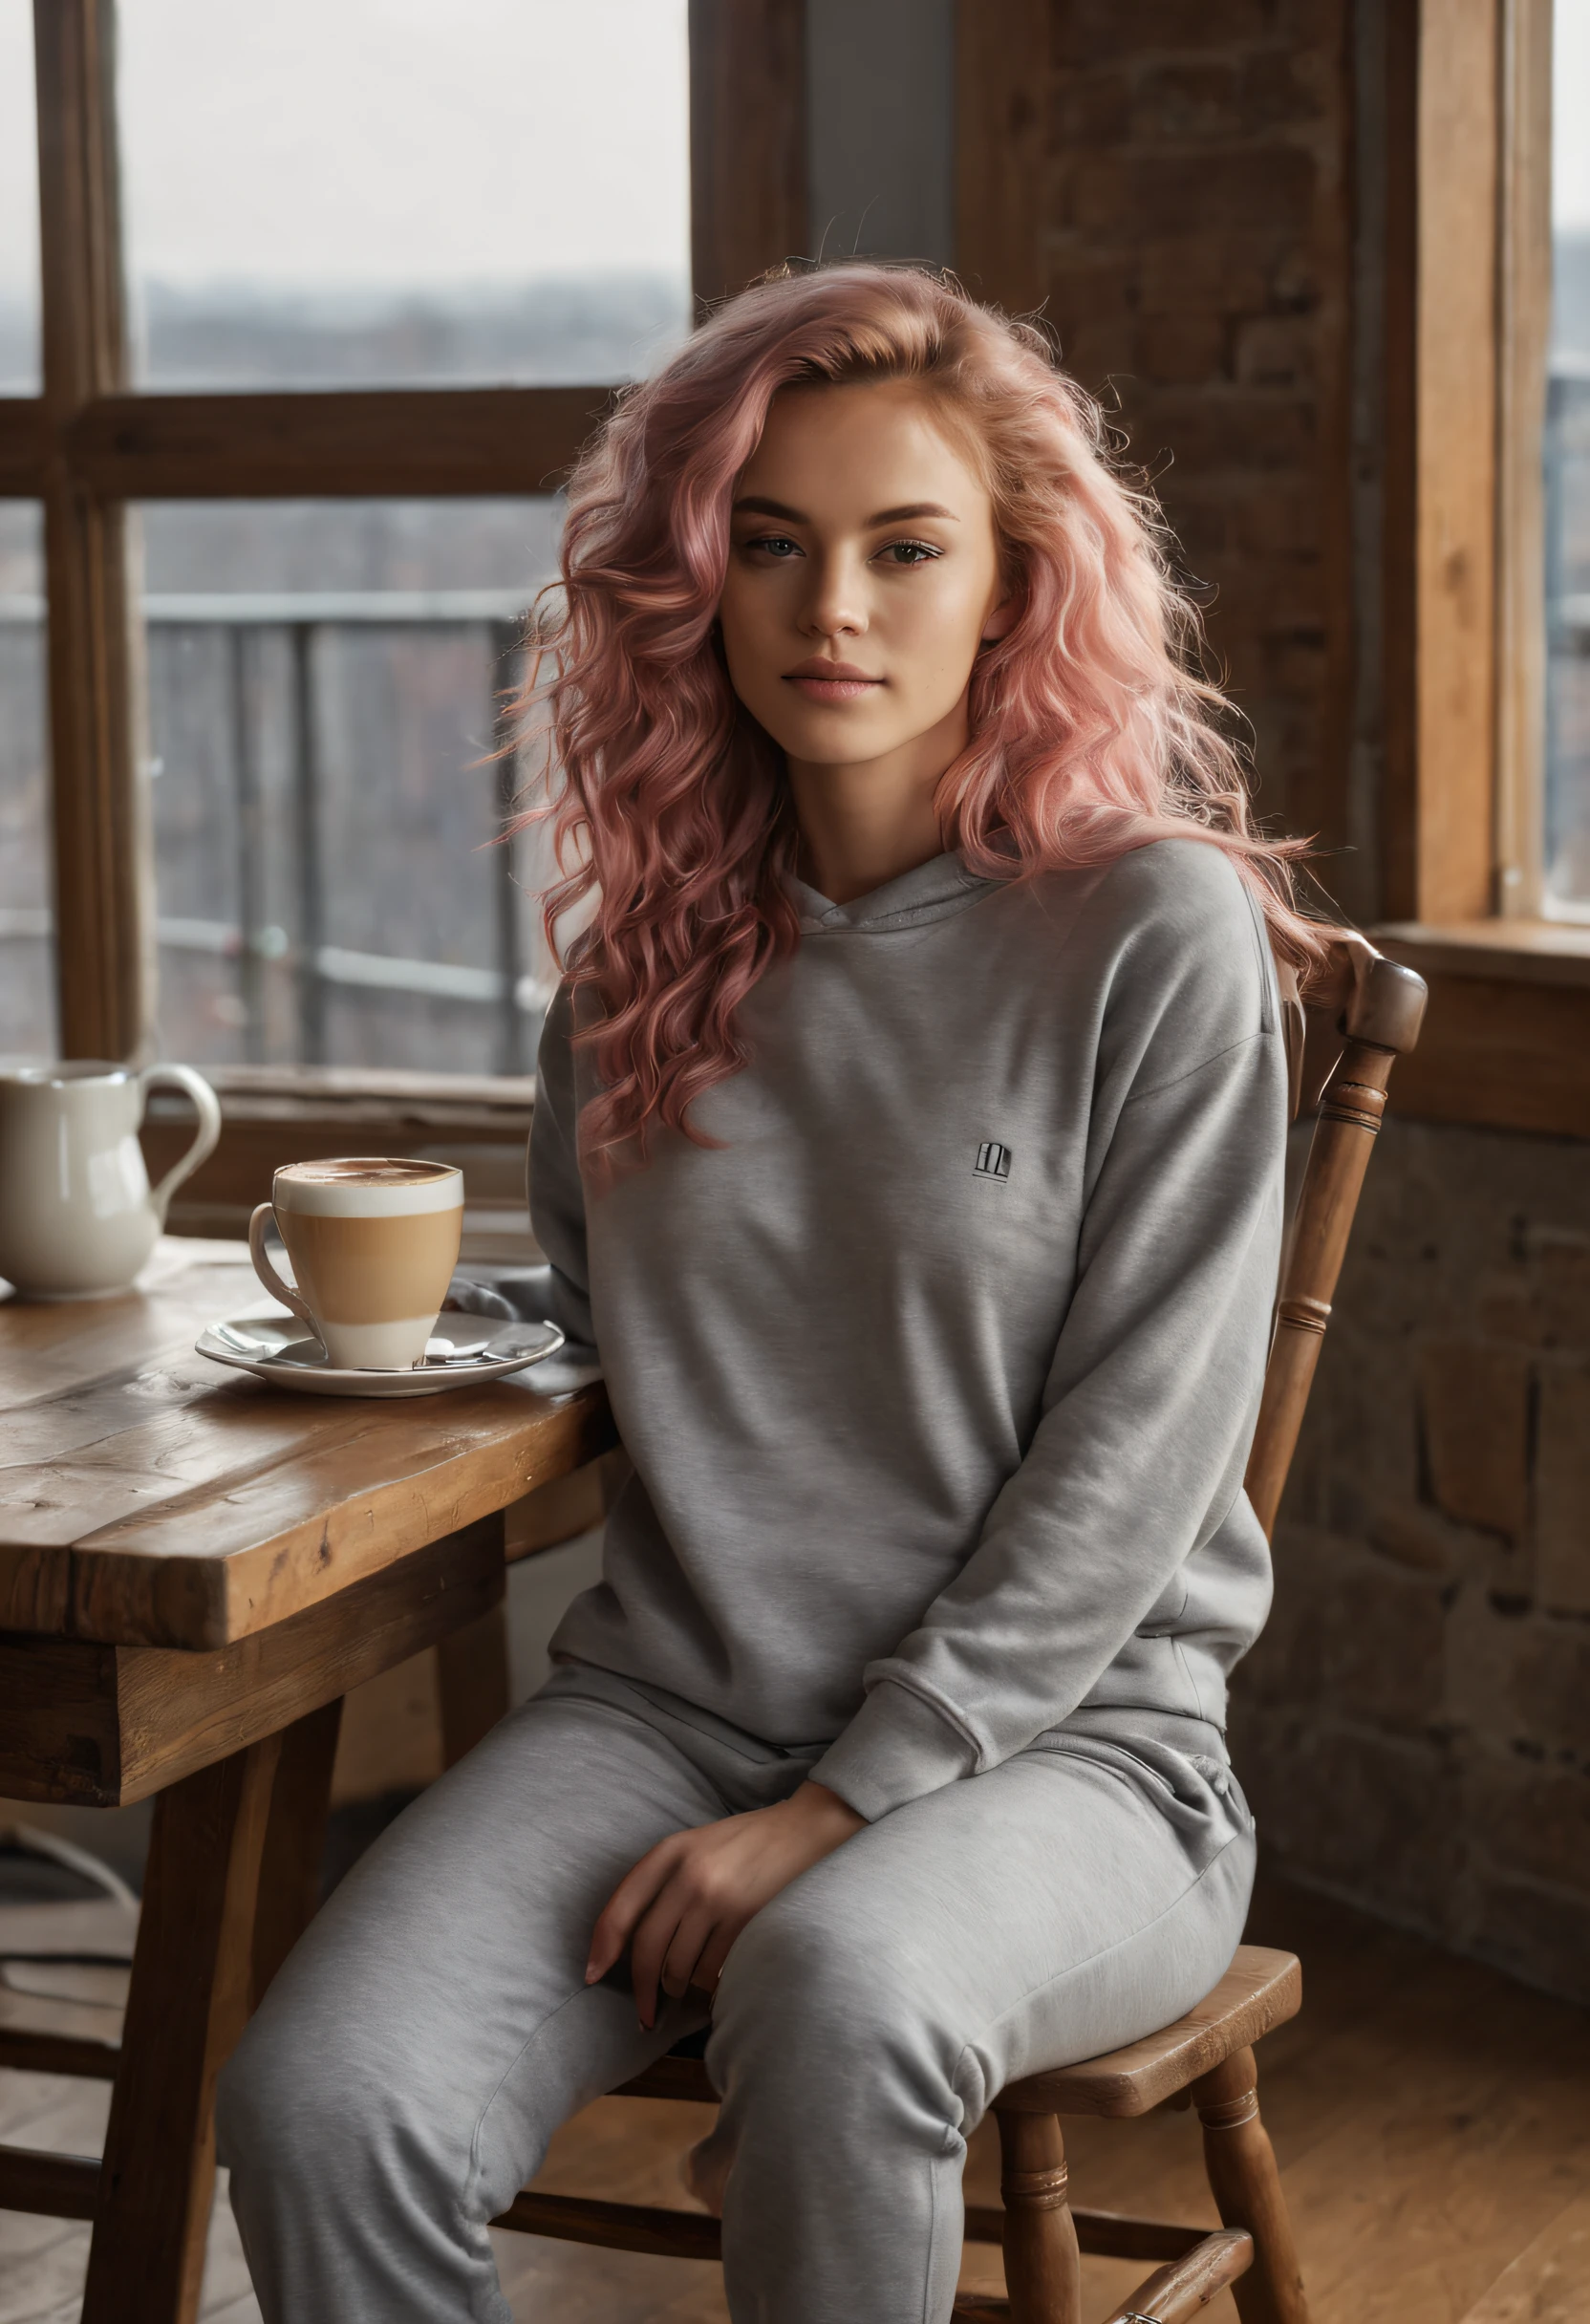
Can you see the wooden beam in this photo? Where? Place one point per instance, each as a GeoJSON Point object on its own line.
{"type": "Point", "coordinates": [294, 1840]}
{"type": "Point", "coordinates": [614, 2226]}
{"type": "Point", "coordinates": [1523, 326]}
{"type": "Point", "coordinates": [747, 140]}
{"type": "Point", "coordinates": [103, 863]}
{"type": "Point", "coordinates": [27, 2051]}
{"type": "Point", "coordinates": [1457, 122]}
{"type": "Point", "coordinates": [354, 443]}
{"type": "Point", "coordinates": [1506, 1044]}
{"type": "Point", "coordinates": [1442, 312]}
{"type": "Point", "coordinates": [271, 1116]}
{"type": "Point", "coordinates": [24, 447]}
{"type": "Point", "coordinates": [97, 1725]}
{"type": "Point", "coordinates": [1399, 818]}
{"type": "Point", "coordinates": [472, 1681]}
{"type": "Point", "coordinates": [1001, 62]}
{"type": "Point", "coordinates": [61, 2186]}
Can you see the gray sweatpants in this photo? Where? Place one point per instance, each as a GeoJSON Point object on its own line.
{"type": "Point", "coordinates": [411, 2061]}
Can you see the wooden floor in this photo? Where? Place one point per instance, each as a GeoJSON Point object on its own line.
{"type": "Point", "coordinates": [1432, 2121]}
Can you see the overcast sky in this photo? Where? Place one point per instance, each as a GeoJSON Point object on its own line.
{"type": "Point", "coordinates": [319, 142]}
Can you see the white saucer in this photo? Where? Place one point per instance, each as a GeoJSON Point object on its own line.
{"type": "Point", "coordinates": [469, 1350]}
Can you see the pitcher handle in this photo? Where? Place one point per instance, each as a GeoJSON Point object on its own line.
{"type": "Point", "coordinates": [205, 1140]}
{"type": "Point", "coordinates": [287, 1293]}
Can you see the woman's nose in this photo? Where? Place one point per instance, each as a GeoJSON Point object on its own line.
{"type": "Point", "coordinates": [836, 607]}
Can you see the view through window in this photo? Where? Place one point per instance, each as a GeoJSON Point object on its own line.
{"type": "Point", "coordinates": [383, 194]}
{"type": "Point", "coordinates": [403, 192]}
{"type": "Point", "coordinates": [27, 999]}
{"type": "Point", "coordinates": [1567, 852]}
{"type": "Point", "coordinates": [445, 192]}
{"type": "Point", "coordinates": [18, 203]}
{"type": "Point", "coordinates": [26, 964]}
{"type": "Point", "coordinates": [324, 683]}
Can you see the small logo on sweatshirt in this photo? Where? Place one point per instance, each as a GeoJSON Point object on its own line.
{"type": "Point", "coordinates": [993, 1160]}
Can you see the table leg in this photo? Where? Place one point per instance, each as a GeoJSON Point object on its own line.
{"type": "Point", "coordinates": [189, 1998]}
{"type": "Point", "coordinates": [472, 1682]}
{"type": "Point", "coordinates": [294, 1840]}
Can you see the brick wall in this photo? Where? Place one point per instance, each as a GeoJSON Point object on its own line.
{"type": "Point", "coordinates": [1413, 1728]}
{"type": "Point", "coordinates": [1195, 248]}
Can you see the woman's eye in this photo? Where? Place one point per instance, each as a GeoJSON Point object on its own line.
{"type": "Point", "coordinates": [909, 553]}
{"type": "Point", "coordinates": [775, 545]}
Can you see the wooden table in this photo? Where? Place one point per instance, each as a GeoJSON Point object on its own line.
{"type": "Point", "coordinates": [194, 1570]}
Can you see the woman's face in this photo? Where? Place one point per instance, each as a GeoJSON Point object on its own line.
{"type": "Point", "coordinates": [863, 576]}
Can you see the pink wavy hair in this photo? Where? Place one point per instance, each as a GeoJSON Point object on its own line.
{"type": "Point", "coordinates": [1092, 731]}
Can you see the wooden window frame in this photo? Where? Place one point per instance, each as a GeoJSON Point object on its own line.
{"type": "Point", "coordinates": [89, 443]}
{"type": "Point", "coordinates": [1468, 250]}
{"type": "Point", "coordinates": [1468, 310]}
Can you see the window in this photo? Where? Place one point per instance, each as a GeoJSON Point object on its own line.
{"type": "Point", "coordinates": [468, 190]}
{"type": "Point", "coordinates": [322, 677]}
{"type": "Point", "coordinates": [310, 312]}
{"type": "Point", "coordinates": [1567, 486]}
{"type": "Point", "coordinates": [26, 978]}
{"type": "Point", "coordinates": [19, 365]}
{"type": "Point", "coordinates": [331, 883]}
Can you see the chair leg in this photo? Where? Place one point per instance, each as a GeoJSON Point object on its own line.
{"type": "Point", "coordinates": [1247, 2190]}
{"type": "Point", "coordinates": [1043, 2263]}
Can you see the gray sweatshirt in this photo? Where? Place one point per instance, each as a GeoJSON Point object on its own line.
{"type": "Point", "coordinates": [938, 1374]}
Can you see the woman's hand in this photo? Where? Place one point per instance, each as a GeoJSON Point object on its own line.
{"type": "Point", "coordinates": [688, 1899]}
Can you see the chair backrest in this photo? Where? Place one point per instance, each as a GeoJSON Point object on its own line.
{"type": "Point", "coordinates": [1356, 1016]}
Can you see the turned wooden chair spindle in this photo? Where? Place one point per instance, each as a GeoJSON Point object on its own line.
{"type": "Point", "coordinates": [1361, 1013]}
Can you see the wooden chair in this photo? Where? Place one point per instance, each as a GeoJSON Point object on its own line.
{"type": "Point", "coordinates": [1362, 1013]}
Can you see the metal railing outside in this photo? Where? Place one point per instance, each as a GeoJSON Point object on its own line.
{"type": "Point", "coordinates": [255, 943]}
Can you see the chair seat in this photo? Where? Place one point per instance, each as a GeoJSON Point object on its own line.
{"type": "Point", "coordinates": [1261, 1988]}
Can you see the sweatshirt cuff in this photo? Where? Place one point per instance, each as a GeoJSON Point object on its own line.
{"type": "Point", "coordinates": [894, 1748]}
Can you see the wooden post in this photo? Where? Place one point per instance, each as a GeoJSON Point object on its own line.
{"type": "Point", "coordinates": [1043, 2262]}
{"type": "Point", "coordinates": [103, 863]}
{"type": "Point", "coordinates": [1384, 1006]}
{"type": "Point", "coordinates": [472, 1682]}
{"type": "Point", "coordinates": [191, 1988]}
{"type": "Point", "coordinates": [1002, 64]}
{"type": "Point", "coordinates": [294, 1840]}
{"type": "Point", "coordinates": [747, 140]}
{"type": "Point", "coordinates": [1246, 2186]}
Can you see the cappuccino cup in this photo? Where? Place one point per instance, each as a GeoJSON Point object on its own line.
{"type": "Point", "coordinates": [374, 1243]}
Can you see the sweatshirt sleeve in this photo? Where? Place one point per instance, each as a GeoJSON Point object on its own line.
{"type": "Point", "coordinates": [561, 1290]}
{"type": "Point", "coordinates": [1149, 1406]}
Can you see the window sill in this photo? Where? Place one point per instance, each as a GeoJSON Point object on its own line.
{"type": "Point", "coordinates": [1531, 952]}
{"type": "Point", "coordinates": [1506, 1044]}
{"type": "Point", "coordinates": [273, 1115]}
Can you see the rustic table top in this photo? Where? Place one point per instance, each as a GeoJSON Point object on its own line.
{"type": "Point", "coordinates": [149, 1496]}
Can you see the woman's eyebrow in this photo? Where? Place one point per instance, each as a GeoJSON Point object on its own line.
{"type": "Point", "coordinates": [906, 515]}
{"type": "Point", "coordinates": [754, 506]}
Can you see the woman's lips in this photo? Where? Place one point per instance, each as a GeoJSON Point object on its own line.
{"type": "Point", "coordinates": [839, 681]}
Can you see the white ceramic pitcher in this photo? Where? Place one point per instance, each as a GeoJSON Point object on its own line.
{"type": "Point", "coordinates": [78, 1214]}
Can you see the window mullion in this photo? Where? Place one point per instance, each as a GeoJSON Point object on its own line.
{"type": "Point", "coordinates": [102, 862]}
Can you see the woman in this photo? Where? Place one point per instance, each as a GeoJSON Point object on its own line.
{"type": "Point", "coordinates": [909, 1143]}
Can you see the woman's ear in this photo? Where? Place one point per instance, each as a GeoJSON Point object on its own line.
{"type": "Point", "coordinates": [1000, 621]}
